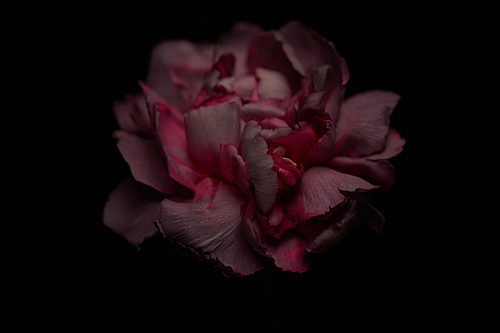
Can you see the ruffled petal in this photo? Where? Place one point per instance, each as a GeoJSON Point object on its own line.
{"type": "Point", "coordinates": [213, 227]}
{"type": "Point", "coordinates": [146, 161]}
{"type": "Point", "coordinates": [207, 128]}
{"type": "Point", "coordinates": [363, 123]}
{"type": "Point", "coordinates": [131, 211]}
{"type": "Point", "coordinates": [254, 151]}
{"type": "Point", "coordinates": [260, 110]}
{"type": "Point", "coordinates": [321, 190]}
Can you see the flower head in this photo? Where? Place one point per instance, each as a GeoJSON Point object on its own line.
{"type": "Point", "coordinates": [246, 152]}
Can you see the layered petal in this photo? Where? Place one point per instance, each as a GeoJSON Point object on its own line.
{"type": "Point", "coordinates": [320, 191]}
{"type": "Point", "coordinates": [213, 227]}
{"type": "Point", "coordinates": [146, 161]}
{"type": "Point", "coordinates": [209, 127]}
{"type": "Point", "coordinates": [363, 123]}
{"type": "Point", "coordinates": [131, 211]}
{"type": "Point", "coordinates": [254, 151]}
{"type": "Point", "coordinates": [373, 168]}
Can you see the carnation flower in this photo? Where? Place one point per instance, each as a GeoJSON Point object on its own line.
{"type": "Point", "coordinates": [246, 152]}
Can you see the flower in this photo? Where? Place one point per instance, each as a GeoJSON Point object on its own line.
{"type": "Point", "coordinates": [246, 152]}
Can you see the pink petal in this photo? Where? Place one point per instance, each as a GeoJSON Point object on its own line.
{"type": "Point", "coordinates": [275, 222]}
{"type": "Point", "coordinates": [213, 227]}
{"type": "Point", "coordinates": [298, 143]}
{"type": "Point", "coordinates": [176, 71]}
{"type": "Point", "coordinates": [379, 172]}
{"type": "Point", "coordinates": [288, 252]}
{"type": "Point", "coordinates": [274, 58]}
{"type": "Point", "coordinates": [363, 123]}
{"type": "Point", "coordinates": [237, 42]}
{"type": "Point", "coordinates": [324, 148]}
{"type": "Point", "coordinates": [245, 86]}
{"type": "Point", "coordinates": [233, 169]}
{"type": "Point", "coordinates": [373, 168]}
{"type": "Point", "coordinates": [169, 126]}
{"type": "Point", "coordinates": [131, 210]}
{"type": "Point", "coordinates": [207, 128]}
{"type": "Point", "coordinates": [261, 109]}
{"type": "Point", "coordinates": [393, 146]}
{"type": "Point", "coordinates": [259, 165]}
{"type": "Point", "coordinates": [132, 115]}
{"type": "Point", "coordinates": [146, 161]}
{"type": "Point", "coordinates": [320, 191]}
{"type": "Point", "coordinates": [272, 84]}
{"type": "Point", "coordinates": [313, 52]}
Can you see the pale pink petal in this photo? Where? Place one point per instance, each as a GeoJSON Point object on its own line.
{"type": "Point", "coordinates": [245, 86]}
{"type": "Point", "coordinates": [207, 128]}
{"type": "Point", "coordinates": [320, 191]}
{"type": "Point", "coordinates": [237, 42]}
{"type": "Point", "coordinates": [212, 227]}
{"type": "Point", "coordinates": [363, 123]}
{"type": "Point", "coordinates": [177, 70]}
{"type": "Point", "coordinates": [261, 109]}
{"type": "Point", "coordinates": [146, 161]}
{"type": "Point", "coordinates": [254, 151]}
{"type": "Point", "coordinates": [272, 84]}
{"type": "Point", "coordinates": [393, 146]}
{"type": "Point", "coordinates": [131, 211]}
{"type": "Point", "coordinates": [233, 169]}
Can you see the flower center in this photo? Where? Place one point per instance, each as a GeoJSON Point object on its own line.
{"type": "Point", "coordinates": [281, 151]}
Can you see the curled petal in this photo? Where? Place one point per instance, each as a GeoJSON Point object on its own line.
{"type": "Point", "coordinates": [254, 151]}
{"type": "Point", "coordinates": [131, 211]}
{"type": "Point", "coordinates": [213, 227]}
{"type": "Point", "coordinates": [272, 84]}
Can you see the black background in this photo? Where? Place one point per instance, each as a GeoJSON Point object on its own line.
{"type": "Point", "coordinates": [434, 268]}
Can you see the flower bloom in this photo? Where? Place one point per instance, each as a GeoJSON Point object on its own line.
{"type": "Point", "coordinates": [246, 152]}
